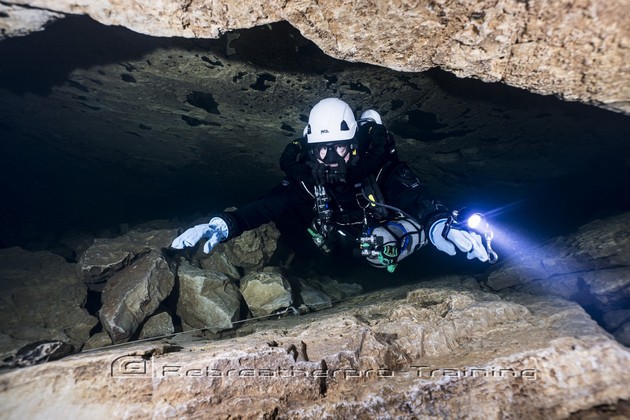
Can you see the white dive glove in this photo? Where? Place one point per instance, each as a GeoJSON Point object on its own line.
{"type": "Point", "coordinates": [468, 242]}
{"type": "Point", "coordinates": [216, 230]}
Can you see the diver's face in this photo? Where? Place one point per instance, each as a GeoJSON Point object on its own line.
{"type": "Point", "coordinates": [325, 153]}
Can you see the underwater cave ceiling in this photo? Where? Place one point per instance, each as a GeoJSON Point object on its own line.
{"type": "Point", "coordinates": [578, 50]}
{"type": "Point", "coordinates": [100, 125]}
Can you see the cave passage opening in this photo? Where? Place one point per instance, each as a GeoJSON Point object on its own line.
{"type": "Point", "coordinates": [112, 129]}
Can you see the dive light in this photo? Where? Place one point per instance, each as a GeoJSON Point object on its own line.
{"type": "Point", "coordinates": [475, 220]}
{"type": "Point", "coordinates": [472, 222]}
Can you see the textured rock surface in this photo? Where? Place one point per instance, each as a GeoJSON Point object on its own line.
{"type": "Point", "coordinates": [253, 249]}
{"type": "Point", "coordinates": [38, 352]}
{"type": "Point", "coordinates": [207, 299]}
{"type": "Point", "coordinates": [210, 111]}
{"type": "Point", "coordinates": [421, 351]}
{"type": "Point", "coordinates": [313, 298]}
{"type": "Point", "coordinates": [108, 255]}
{"type": "Point", "coordinates": [580, 50]}
{"type": "Point", "coordinates": [157, 325]}
{"type": "Point", "coordinates": [614, 319]}
{"type": "Point", "coordinates": [265, 292]}
{"type": "Point", "coordinates": [219, 262]}
{"type": "Point", "coordinates": [98, 340]}
{"type": "Point", "coordinates": [42, 299]}
{"type": "Point", "coordinates": [134, 293]}
{"type": "Point", "coordinates": [593, 262]}
{"type": "Point", "coordinates": [623, 334]}
{"type": "Point", "coordinates": [20, 21]}
{"type": "Point", "coordinates": [335, 289]}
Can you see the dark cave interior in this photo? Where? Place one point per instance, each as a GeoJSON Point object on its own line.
{"type": "Point", "coordinates": [111, 141]}
{"type": "Point", "coordinates": [51, 191]}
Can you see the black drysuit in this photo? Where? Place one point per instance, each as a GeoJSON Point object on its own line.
{"type": "Point", "coordinates": [375, 159]}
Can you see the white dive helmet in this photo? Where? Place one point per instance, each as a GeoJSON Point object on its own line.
{"type": "Point", "coordinates": [329, 121]}
{"type": "Point", "coordinates": [372, 115]}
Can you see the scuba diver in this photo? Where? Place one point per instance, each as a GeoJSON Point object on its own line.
{"type": "Point", "coordinates": [347, 174]}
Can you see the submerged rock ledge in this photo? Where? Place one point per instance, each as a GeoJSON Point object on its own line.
{"type": "Point", "coordinates": [436, 349]}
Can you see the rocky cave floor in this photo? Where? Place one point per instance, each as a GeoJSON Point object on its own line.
{"type": "Point", "coordinates": [90, 292]}
{"type": "Point", "coordinates": [518, 317]}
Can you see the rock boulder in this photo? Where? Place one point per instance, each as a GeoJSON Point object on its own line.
{"type": "Point", "coordinates": [42, 299]}
{"type": "Point", "coordinates": [132, 294]}
{"type": "Point", "coordinates": [157, 325]}
{"type": "Point", "coordinates": [108, 255]}
{"type": "Point", "coordinates": [253, 249]}
{"type": "Point", "coordinates": [266, 292]}
{"type": "Point", "coordinates": [207, 299]}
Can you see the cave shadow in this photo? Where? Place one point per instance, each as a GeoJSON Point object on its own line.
{"type": "Point", "coordinates": [507, 98]}
{"type": "Point", "coordinates": [41, 60]}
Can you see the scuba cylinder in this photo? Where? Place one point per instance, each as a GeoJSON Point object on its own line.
{"type": "Point", "coordinates": [389, 242]}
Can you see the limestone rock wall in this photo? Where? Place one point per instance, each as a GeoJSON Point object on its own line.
{"type": "Point", "coordinates": [578, 50]}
